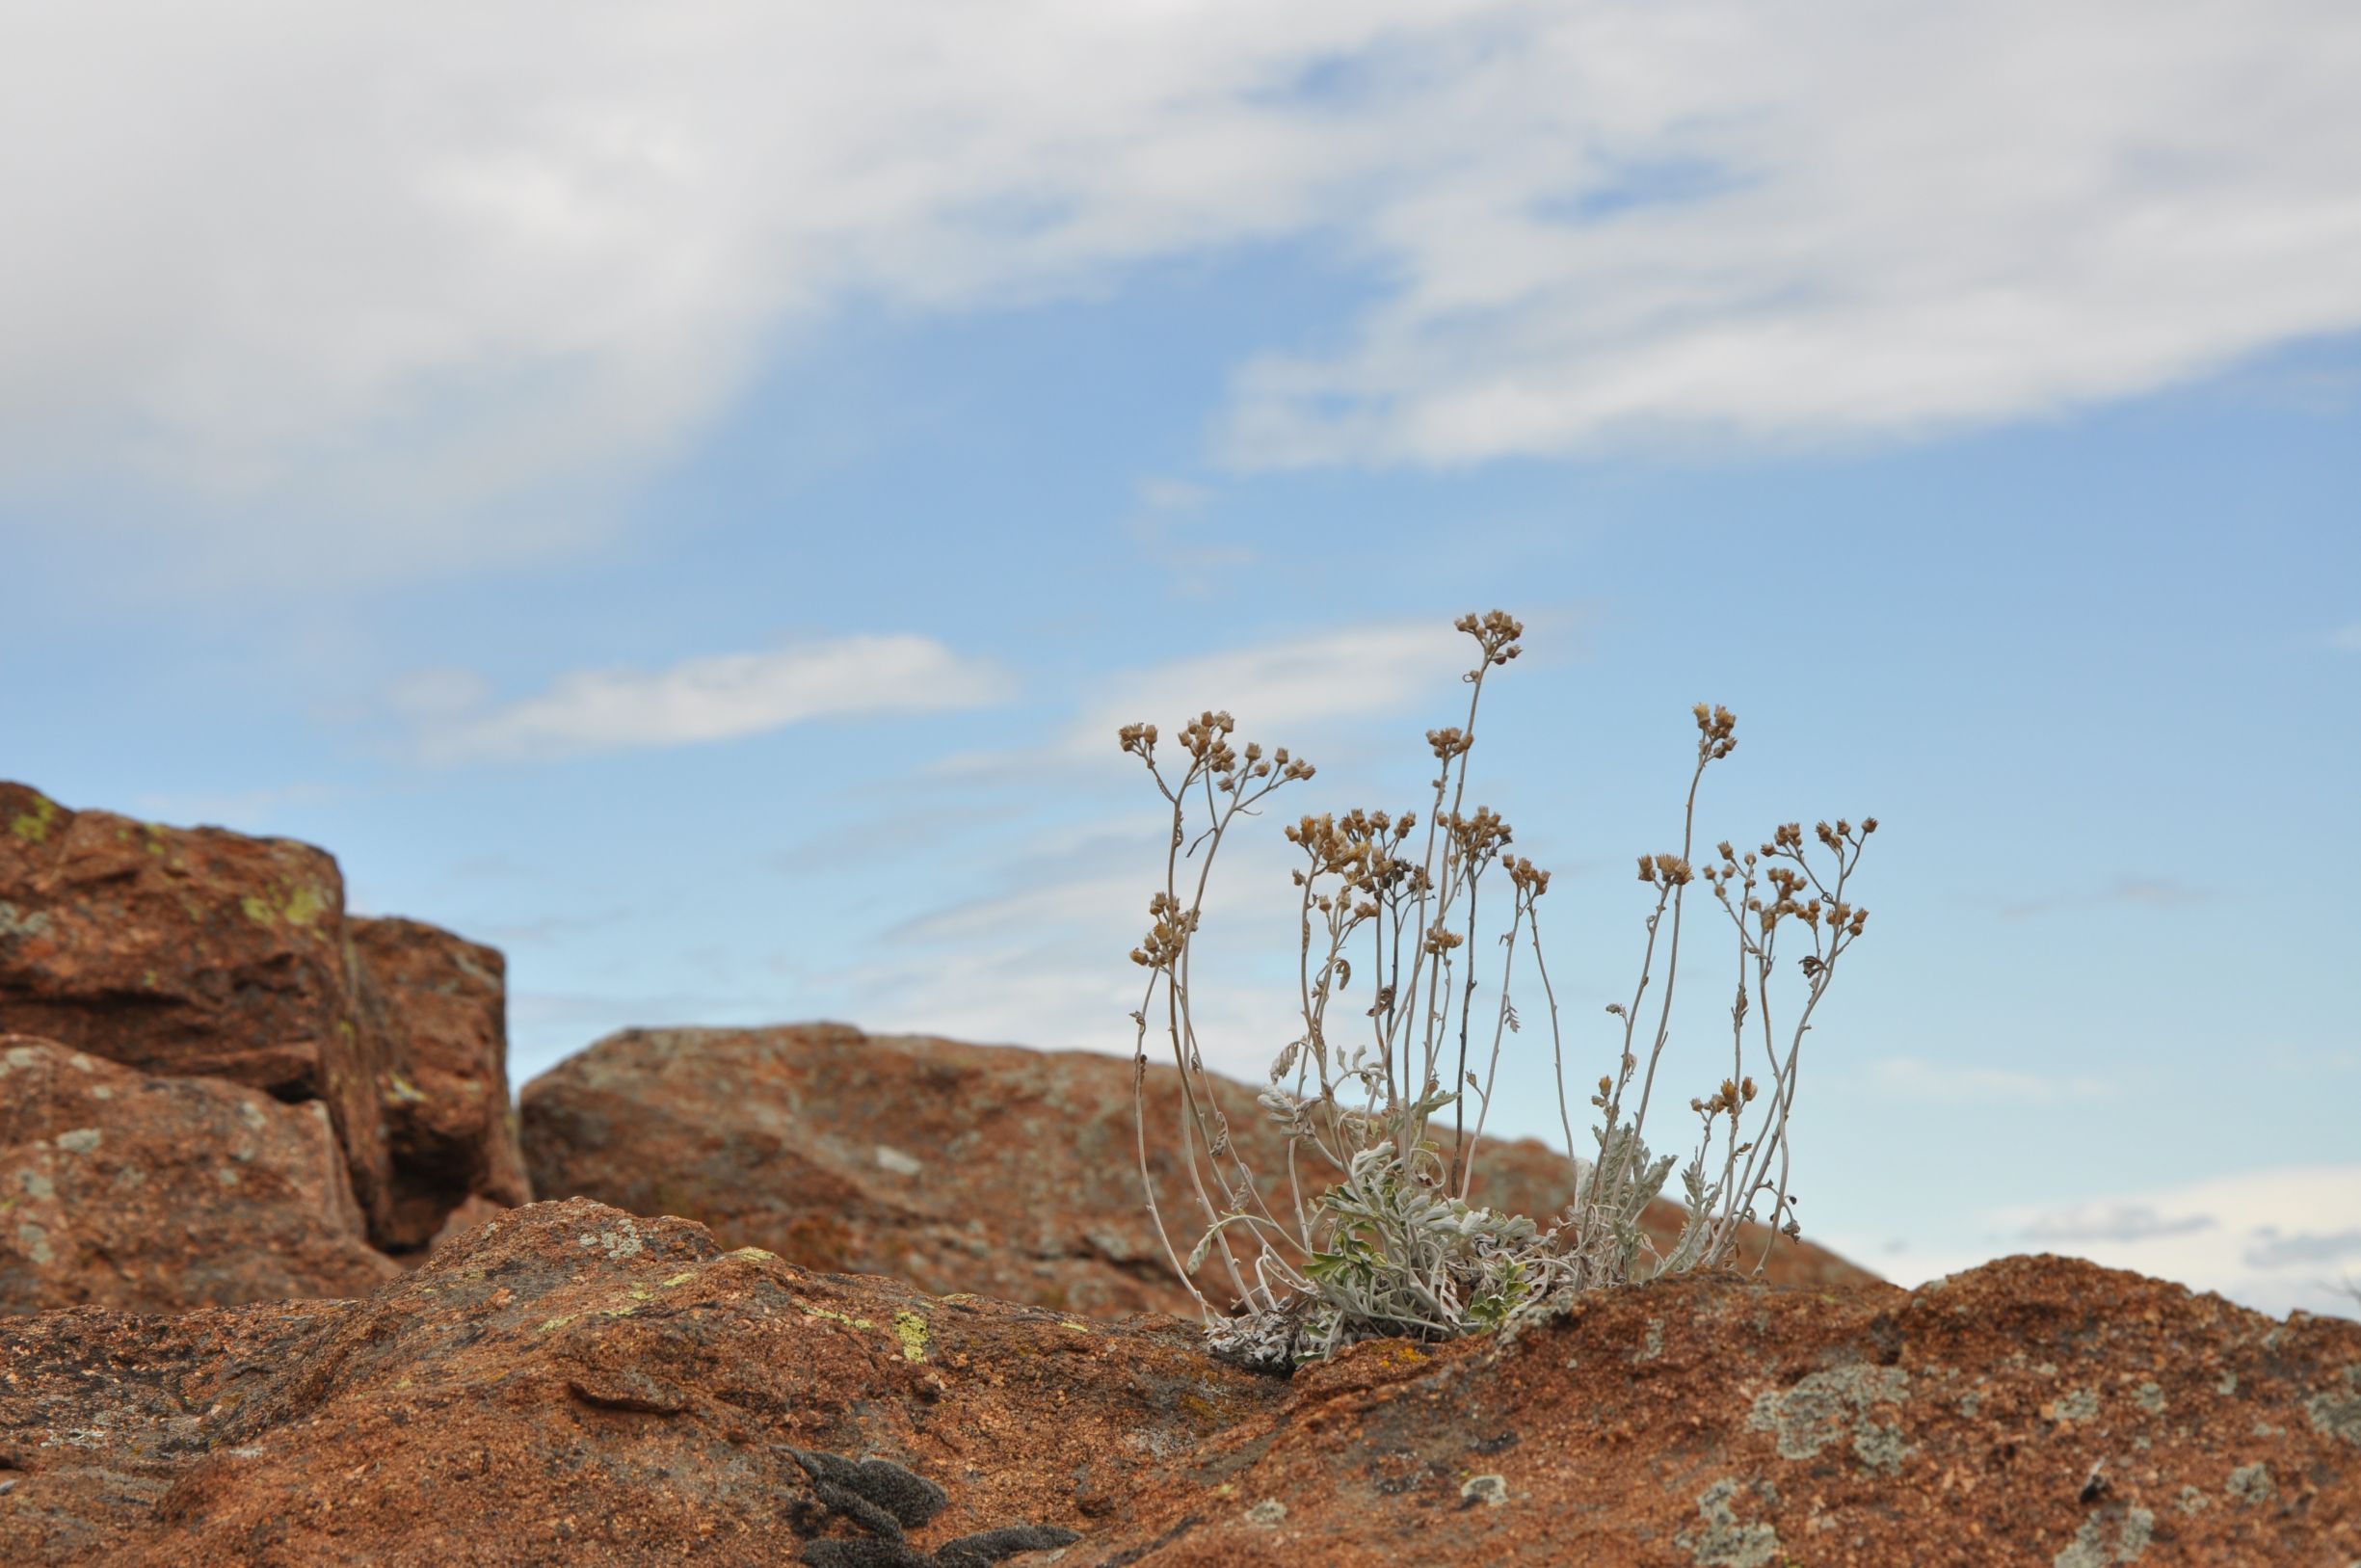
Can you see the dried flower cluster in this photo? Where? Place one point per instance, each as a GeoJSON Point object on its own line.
{"type": "Point", "coordinates": [1390, 1242]}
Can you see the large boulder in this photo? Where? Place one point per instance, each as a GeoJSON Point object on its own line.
{"type": "Point", "coordinates": [130, 1190]}
{"type": "Point", "coordinates": [437, 1003]}
{"type": "Point", "coordinates": [569, 1384]}
{"type": "Point", "coordinates": [990, 1169]}
{"type": "Point", "coordinates": [189, 953]}
{"type": "Point", "coordinates": [202, 953]}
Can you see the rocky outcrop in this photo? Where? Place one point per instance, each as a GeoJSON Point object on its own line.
{"type": "Point", "coordinates": [569, 1384]}
{"type": "Point", "coordinates": [125, 1189]}
{"type": "Point", "coordinates": [438, 1005]}
{"type": "Point", "coordinates": [204, 954]}
{"type": "Point", "coordinates": [986, 1168]}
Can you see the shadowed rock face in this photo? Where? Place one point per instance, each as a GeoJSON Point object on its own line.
{"type": "Point", "coordinates": [438, 1002]}
{"type": "Point", "coordinates": [155, 1193]}
{"type": "Point", "coordinates": [202, 954]}
{"type": "Point", "coordinates": [987, 1168]}
{"type": "Point", "coordinates": [567, 1384]}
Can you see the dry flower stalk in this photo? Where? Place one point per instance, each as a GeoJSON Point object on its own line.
{"type": "Point", "coordinates": [1390, 1242]}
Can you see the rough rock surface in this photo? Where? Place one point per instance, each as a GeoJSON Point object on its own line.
{"type": "Point", "coordinates": [567, 1384]}
{"type": "Point", "coordinates": [438, 1002]}
{"type": "Point", "coordinates": [208, 954]}
{"type": "Point", "coordinates": [155, 1193]}
{"type": "Point", "coordinates": [987, 1168]}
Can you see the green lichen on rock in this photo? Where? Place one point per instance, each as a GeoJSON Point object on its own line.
{"type": "Point", "coordinates": [305, 904]}
{"type": "Point", "coordinates": [910, 1329]}
{"type": "Point", "coordinates": [32, 825]}
{"type": "Point", "coordinates": [300, 906]}
{"type": "Point", "coordinates": [846, 1319]}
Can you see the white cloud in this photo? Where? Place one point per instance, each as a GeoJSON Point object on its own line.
{"type": "Point", "coordinates": [1936, 1082]}
{"type": "Point", "coordinates": [720, 696]}
{"type": "Point", "coordinates": [2347, 639]}
{"type": "Point", "coordinates": [356, 275]}
{"type": "Point", "coordinates": [1353, 672]}
{"type": "Point", "coordinates": [2272, 1239]}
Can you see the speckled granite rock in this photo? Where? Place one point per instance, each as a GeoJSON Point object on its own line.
{"type": "Point", "coordinates": [202, 953]}
{"type": "Point", "coordinates": [568, 1385]}
{"type": "Point", "coordinates": [986, 1168]}
{"type": "Point", "coordinates": [154, 1193]}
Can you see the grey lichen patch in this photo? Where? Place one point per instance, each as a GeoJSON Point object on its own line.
{"type": "Point", "coordinates": [82, 1140]}
{"type": "Point", "coordinates": [2339, 1415]}
{"type": "Point", "coordinates": [2226, 1384]}
{"type": "Point", "coordinates": [1827, 1405]}
{"type": "Point", "coordinates": [618, 1245]}
{"type": "Point", "coordinates": [33, 1241]}
{"type": "Point", "coordinates": [890, 1159]}
{"type": "Point", "coordinates": [2078, 1404]}
{"type": "Point", "coordinates": [2090, 1548]}
{"type": "Point", "coordinates": [1267, 1514]}
{"type": "Point", "coordinates": [2191, 1500]}
{"type": "Point", "coordinates": [1723, 1542]}
{"type": "Point", "coordinates": [1654, 1345]}
{"type": "Point", "coordinates": [35, 1185]}
{"type": "Point", "coordinates": [16, 923]}
{"type": "Point", "coordinates": [1879, 1445]}
{"type": "Point", "coordinates": [2149, 1396]}
{"type": "Point", "coordinates": [1971, 1403]}
{"type": "Point", "coordinates": [2250, 1483]}
{"type": "Point", "coordinates": [1492, 1491]}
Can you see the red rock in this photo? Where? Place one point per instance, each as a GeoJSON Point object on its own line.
{"type": "Point", "coordinates": [152, 1193]}
{"type": "Point", "coordinates": [987, 1168]}
{"type": "Point", "coordinates": [204, 954]}
{"type": "Point", "coordinates": [189, 952]}
{"type": "Point", "coordinates": [570, 1384]}
{"type": "Point", "coordinates": [438, 1004]}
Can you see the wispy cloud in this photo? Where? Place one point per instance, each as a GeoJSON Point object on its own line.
{"type": "Point", "coordinates": [1350, 673]}
{"type": "Point", "coordinates": [2270, 1237]}
{"type": "Point", "coordinates": [2347, 639]}
{"type": "Point", "coordinates": [2111, 1222]}
{"type": "Point", "coordinates": [718, 696]}
{"type": "Point", "coordinates": [1911, 1078]}
{"type": "Point", "coordinates": [2149, 892]}
{"type": "Point", "coordinates": [1169, 526]}
{"type": "Point", "coordinates": [546, 255]}
{"type": "Point", "coordinates": [2273, 1239]}
{"type": "Point", "coordinates": [2271, 1249]}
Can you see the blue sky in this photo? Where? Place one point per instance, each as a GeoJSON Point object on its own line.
{"type": "Point", "coordinates": [690, 502]}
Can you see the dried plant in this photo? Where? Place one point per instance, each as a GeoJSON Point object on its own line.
{"type": "Point", "coordinates": [1390, 1242]}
